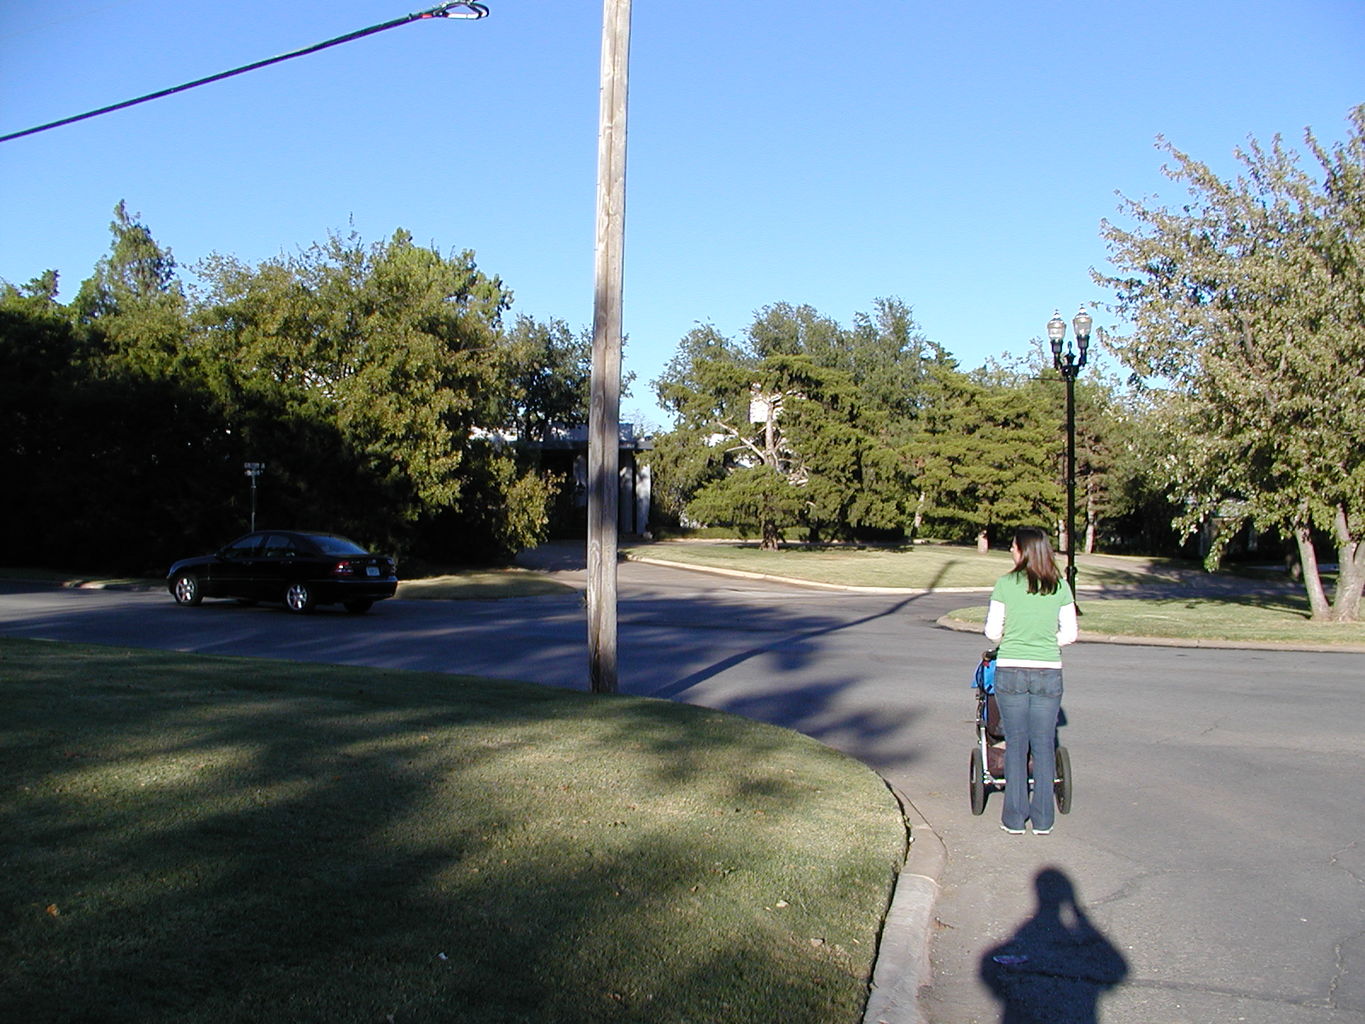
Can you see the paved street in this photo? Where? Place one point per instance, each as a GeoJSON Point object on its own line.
{"type": "Point", "coordinates": [1213, 868]}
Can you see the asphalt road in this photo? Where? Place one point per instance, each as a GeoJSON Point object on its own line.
{"type": "Point", "coordinates": [1213, 866]}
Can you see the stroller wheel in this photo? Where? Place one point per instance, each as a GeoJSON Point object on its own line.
{"type": "Point", "coordinates": [1062, 787]}
{"type": "Point", "coordinates": [978, 780]}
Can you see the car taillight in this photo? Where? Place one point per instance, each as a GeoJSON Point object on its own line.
{"type": "Point", "coordinates": [343, 568]}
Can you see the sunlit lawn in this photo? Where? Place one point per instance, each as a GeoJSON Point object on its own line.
{"type": "Point", "coordinates": [481, 584]}
{"type": "Point", "coordinates": [1260, 619]}
{"type": "Point", "coordinates": [1261, 613]}
{"type": "Point", "coordinates": [203, 840]}
{"type": "Point", "coordinates": [922, 567]}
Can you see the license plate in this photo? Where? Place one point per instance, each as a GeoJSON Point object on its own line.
{"type": "Point", "coordinates": [372, 570]}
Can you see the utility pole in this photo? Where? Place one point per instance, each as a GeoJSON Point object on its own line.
{"type": "Point", "coordinates": [604, 412]}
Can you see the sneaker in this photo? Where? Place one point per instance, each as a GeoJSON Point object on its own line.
{"type": "Point", "coordinates": [1012, 831]}
{"type": "Point", "coordinates": [1042, 831]}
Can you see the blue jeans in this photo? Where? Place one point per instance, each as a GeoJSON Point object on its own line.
{"type": "Point", "coordinates": [1029, 699]}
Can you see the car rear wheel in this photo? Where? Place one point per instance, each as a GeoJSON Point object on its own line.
{"type": "Point", "coordinates": [186, 589]}
{"type": "Point", "coordinates": [299, 598]}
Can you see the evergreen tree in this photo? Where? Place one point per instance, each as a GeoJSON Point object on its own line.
{"type": "Point", "coordinates": [985, 453]}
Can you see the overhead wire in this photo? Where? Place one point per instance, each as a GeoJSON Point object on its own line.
{"type": "Point", "coordinates": [469, 10]}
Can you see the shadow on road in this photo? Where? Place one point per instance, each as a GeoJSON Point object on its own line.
{"type": "Point", "coordinates": [1057, 965]}
{"type": "Point", "coordinates": [789, 646]}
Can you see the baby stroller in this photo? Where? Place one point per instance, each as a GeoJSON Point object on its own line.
{"type": "Point", "coordinates": [988, 756]}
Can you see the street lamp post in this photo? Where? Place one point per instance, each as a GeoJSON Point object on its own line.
{"type": "Point", "coordinates": [253, 470]}
{"type": "Point", "coordinates": [1069, 365]}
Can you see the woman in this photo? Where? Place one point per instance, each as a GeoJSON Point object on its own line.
{"type": "Point", "coordinates": [1032, 616]}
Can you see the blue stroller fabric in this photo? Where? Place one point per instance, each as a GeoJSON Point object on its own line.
{"type": "Point", "coordinates": [985, 675]}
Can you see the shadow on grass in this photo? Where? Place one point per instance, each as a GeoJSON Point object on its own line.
{"type": "Point", "coordinates": [672, 644]}
{"type": "Point", "coordinates": [224, 840]}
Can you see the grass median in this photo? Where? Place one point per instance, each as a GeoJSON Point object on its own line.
{"type": "Point", "coordinates": [1254, 610]}
{"type": "Point", "coordinates": [203, 839]}
{"type": "Point", "coordinates": [922, 567]}
{"type": "Point", "coordinates": [1281, 620]}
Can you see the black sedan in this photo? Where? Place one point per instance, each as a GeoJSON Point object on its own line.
{"type": "Point", "coordinates": [301, 568]}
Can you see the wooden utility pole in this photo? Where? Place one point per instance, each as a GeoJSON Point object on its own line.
{"type": "Point", "coordinates": [604, 412]}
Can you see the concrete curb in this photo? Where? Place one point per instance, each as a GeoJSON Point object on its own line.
{"type": "Point", "coordinates": [902, 963]}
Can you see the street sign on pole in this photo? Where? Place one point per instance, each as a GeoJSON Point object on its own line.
{"type": "Point", "coordinates": [253, 470]}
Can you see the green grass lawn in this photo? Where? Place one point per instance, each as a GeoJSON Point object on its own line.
{"type": "Point", "coordinates": [202, 839]}
{"type": "Point", "coordinates": [1282, 620]}
{"type": "Point", "coordinates": [1259, 615]}
{"type": "Point", "coordinates": [922, 567]}
{"type": "Point", "coordinates": [480, 584]}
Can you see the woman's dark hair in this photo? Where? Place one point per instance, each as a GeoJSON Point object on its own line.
{"type": "Point", "coordinates": [1036, 561]}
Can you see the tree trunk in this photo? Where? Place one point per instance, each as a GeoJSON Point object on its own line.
{"type": "Point", "coordinates": [1350, 572]}
{"type": "Point", "coordinates": [769, 541]}
{"type": "Point", "coordinates": [1089, 516]}
{"type": "Point", "coordinates": [1312, 579]}
{"type": "Point", "coordinates": [983, 542]}
{"type": "Point", "coordinates": [917, 523]}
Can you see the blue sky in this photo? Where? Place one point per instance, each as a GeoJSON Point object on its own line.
{"type": "Point", "coordinates": [959, 157]}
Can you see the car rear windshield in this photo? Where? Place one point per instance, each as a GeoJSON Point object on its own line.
{"type": "Point", "coordinates": [333, 545]}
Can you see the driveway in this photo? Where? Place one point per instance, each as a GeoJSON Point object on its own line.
{"type": "Point", "coordinates": [1211, 869]}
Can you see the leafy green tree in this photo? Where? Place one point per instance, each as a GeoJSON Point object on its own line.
{"type": "Point", "coordinates": [796, 425]}
{"type": "Point", "coordinates": [1250, 300]}
{"type": "Point", "coordinates": [697, 387]}
{"type": "Point", "coordinates": [729, 401]}
{"type": "Point", "coordinates": [359, 372]}
{"type": "Point", "coordinates": [372, 380]}
{"type": "Point", "coordinates": [38, 375]}
{"type": "Point", "coordinates": [986, 452]}
{"type": "Point", "coordinates": [1136, 506]}
{"type": "Point", "coordinates": [370, 376]}
{"type": "Point", "coordinates": [759, 495]}
{"type": "Point", "coordinates": [134, 305]}
{"type": "Point", "coordinates": [112, 442]}
{"type": "Point", "coordinates": [550, 370]}
{"type": "Point", "coordinates": [890, 358]}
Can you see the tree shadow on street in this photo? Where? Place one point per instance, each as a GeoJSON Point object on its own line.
{"type": "Point", "coordinates": [1057, 965]}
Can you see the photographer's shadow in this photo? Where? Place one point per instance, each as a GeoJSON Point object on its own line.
{"type": "Point", "coordinates": [1054, 969]}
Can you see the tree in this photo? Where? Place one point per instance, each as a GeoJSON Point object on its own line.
{"type": "Point", "coordinates": [772, 432]}
{"type": "Point", "coordinates": [985, 453]}
{"type": "Point", "coordinates": [696, 387]}
{"type": "Point", "coordinates": [113, 443]}
{"type": "Point", "coordinates": [367, 376]}
{"type": "Point", "coordinates": [133, 304]}
{"type": "Point", "coordinates": [1250, 300]}
{"type": "Point", "coordinates": [729, 401]}
{"type": "Point", "coordinates": [550, 368]}
{"type": "Point", "coordinates": [38, 375]}
{"type": "Point", "coordinates": [372, 379]}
